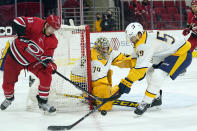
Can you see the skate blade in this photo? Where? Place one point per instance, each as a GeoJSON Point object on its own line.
{"type": "Point", "coordinates": [155, 108]}
{"type": "Point", "coordinates": [48, 113]}
{"type": "Point", "coordinates": [152, 109]}
{"type": "Point", "coordinates": [136, 115]}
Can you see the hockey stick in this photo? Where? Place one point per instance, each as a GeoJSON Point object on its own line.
{"type": "Point", "coordinates": [55, 128]}
{"type": "Point", "coordinates": [76, 85]}
{"type": "Point", "coordinates": [115, 102]}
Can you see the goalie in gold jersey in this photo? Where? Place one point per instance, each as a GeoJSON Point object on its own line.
{"type": "Point", "coordinates": [102, 57]}
{"type": "Point", "coordinates": [159, 55]}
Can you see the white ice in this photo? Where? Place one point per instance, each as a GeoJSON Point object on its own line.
{"type": "Point", "coordinates": [177, 113]}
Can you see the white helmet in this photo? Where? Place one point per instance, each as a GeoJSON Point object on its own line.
{"type": "Point", "coordinates": [133, 29]}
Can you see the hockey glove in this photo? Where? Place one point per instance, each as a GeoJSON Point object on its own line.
{"type": "Point", "coordinates": [51, 66]}
{"type": "Point", "coordinates": [186, 31]}
{"type": "Point", "coordinates": [124, 86]}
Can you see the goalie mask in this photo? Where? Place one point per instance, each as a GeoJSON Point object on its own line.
{"type": "Point", "coordinates": [102, 45]}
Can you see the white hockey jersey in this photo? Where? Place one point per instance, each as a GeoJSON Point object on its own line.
{"type": "Point", "coordinates": [152, 48]}
{"type": "Point", "coordinates": [155, 46]}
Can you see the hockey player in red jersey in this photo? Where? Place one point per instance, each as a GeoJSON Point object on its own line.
{"type": "Point", "coordinates": [192, 25]}
{"type": "Point", "coordinates": [36, 35]}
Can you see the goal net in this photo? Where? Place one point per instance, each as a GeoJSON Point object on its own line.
{"type": "Point", "coordinates": [73, 47]}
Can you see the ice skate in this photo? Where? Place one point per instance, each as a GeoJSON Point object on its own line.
{"type": "Point", "coordinates": [141, 108]}
{"type": "Point", "coordinates": [7, 102]}
{"type": "Point", "coordinates": [42, 103]}
{"type": "Point", "coordinates": [157, 101]}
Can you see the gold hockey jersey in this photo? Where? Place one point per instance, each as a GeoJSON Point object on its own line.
{"type": "Point", "coordinates": [101, 66]}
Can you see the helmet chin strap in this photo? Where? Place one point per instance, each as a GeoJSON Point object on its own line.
{"type": "Point", "coordinates": [136, 39]}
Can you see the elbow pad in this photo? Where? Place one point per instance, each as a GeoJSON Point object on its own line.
{"type": "Point", "coordinates": [19, 28]}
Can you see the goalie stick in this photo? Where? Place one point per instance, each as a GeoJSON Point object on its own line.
{"type": "Point", "coordinates": [114, 97]}
{"type": "Point", "coordinates": [115, 102]}
{"type": "Point", "coordinates": [55, 128]}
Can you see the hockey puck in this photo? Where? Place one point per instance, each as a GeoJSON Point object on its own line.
{"type": "Point", "coordinates": [103, 112]}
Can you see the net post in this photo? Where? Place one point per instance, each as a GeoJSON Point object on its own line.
{"type": "Point", "coordinates": [88, 53]}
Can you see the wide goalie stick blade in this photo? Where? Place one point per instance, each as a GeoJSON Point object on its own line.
{"type": "Point", "coordinates": [59, 128]}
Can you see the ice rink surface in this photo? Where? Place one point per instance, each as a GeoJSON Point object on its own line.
{"type": "Point", "coordinates": [177, 113]}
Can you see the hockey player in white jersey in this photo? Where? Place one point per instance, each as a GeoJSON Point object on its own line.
{"type": "Point", "coordinates": [102, 57]}
{"type": "Point", "coordinates": [158, 55]}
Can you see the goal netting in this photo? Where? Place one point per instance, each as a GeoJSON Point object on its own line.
{"type": "Point", "coordinates": [73, 47]}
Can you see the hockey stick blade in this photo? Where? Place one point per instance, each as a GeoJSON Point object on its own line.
{"type": "Point", "coordinates": [117, 102]}
{"type": "Point", "coordinates": [81, 119]}
{"type": "Point", "coordinates": [59, 128]}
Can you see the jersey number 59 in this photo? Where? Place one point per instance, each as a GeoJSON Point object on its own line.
{"type": "Point", "coordinates": [166, 38]}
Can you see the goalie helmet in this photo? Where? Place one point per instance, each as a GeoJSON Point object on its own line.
{"type": "Point", "coordinates": [132, 30]}
{"type": "Point", "coordinates": [54, 21]}
{"type": "Point", "coordinates": [102, 45]}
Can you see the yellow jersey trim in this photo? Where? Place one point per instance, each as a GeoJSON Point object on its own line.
{"type": "Point", "coordinates": [5, 51]}
{"type": "Point", "coordinates": [178, 63]}
{"type": "Point", "coordinates": [137, 74]}
{"type": "Point", "coordinates": [183, 49]}
{"type": "Point", "coordinates": [142, 39]}
{"type": "Point", "coordinates": [150, 94]}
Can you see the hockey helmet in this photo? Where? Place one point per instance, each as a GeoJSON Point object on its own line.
{"type": "Point", "coordinates": [54, 21]}
{"type": "Point", "coordinates": [102, 45]}
{"type": "Point", "coordinates": [194, 2]}
{"type": "Point", "coordinates": [132, 30]}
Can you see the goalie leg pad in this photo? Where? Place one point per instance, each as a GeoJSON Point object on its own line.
{"type": "Point", "coordinates": [103, 91]}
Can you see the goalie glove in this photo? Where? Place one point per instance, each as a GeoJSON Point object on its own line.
{"type": "Point", "coordinates": [124, 86]}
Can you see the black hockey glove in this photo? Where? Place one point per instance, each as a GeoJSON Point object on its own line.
{"type": "Point", "coordinates": [124, 86]}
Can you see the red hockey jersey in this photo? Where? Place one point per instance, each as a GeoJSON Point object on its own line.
{"type": "Point", "coordinates": [40, 44]}
{"type": "Point", "coordinates": [189, 17]}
